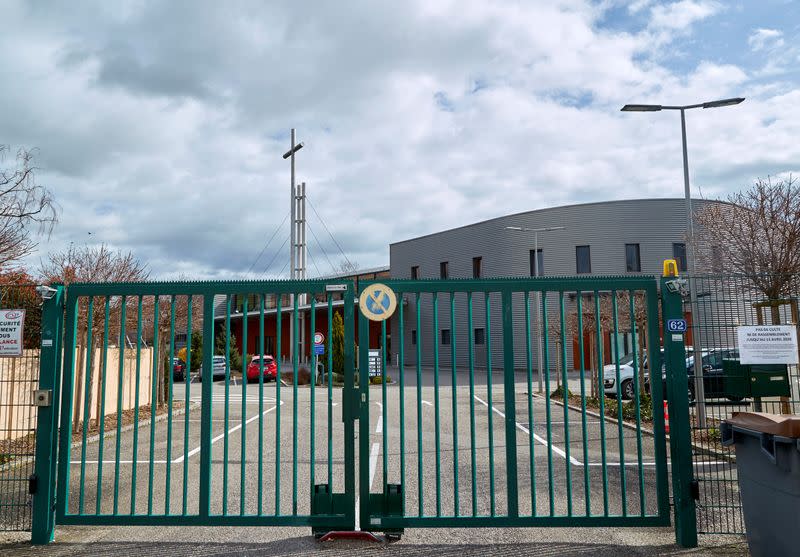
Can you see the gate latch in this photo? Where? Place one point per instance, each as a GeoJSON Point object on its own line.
{"type": "Point", "coordinates": [42, 397]}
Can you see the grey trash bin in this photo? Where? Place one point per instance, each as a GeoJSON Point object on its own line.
{"type": "Point", "coordinates": [768, 466]}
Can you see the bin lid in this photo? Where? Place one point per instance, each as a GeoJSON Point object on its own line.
{"type": "Point", "coordinates": [775, 424]}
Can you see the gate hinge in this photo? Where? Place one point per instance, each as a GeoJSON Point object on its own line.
{"type": "Point", "coordinates": [33, 484]}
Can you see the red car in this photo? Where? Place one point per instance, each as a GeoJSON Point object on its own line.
{"type": "Point", "coordinates": [270, 369]}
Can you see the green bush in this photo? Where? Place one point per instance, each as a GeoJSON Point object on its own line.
{"type": "Point", "coordinates": [559, 393]}
{"type": "Point", "coordinates": [629, 408]}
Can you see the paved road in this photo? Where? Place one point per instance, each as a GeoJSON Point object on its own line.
{"type": "Point", "coordinates": [246, 443]}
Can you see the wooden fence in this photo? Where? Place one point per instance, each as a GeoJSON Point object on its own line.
{"type": "Point", "coordinates": [20, 376]}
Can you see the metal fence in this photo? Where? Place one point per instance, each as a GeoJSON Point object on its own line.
{"type": "Point", "coordinates": [19, 376]}
{"type": "Point", "coordinates": [725, 303]}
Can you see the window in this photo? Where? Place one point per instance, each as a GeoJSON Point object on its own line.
{"type": "Point", "coordinates": [633, 263]}
{"type": "Point", "coordinates": [444, 269]}
{"type": "Point", "coordinates": [716, 259]}
{"type": "Point", "coordinates": [480, 336]}
{"type": "Point", "coordinates": [679, 255]}
{"type": "Point", "coordinates": [537, 263]}
{"type": "Point", "coordinates": [476, 267]}
{"type": "Point", "coordinates": [415, 272]}
{"type": "Point", "coordinates": [446, 337]}
{"type": "Point", "coordinates": [413, 336]}
{"type": "Point", "coordinates": [583, 260]}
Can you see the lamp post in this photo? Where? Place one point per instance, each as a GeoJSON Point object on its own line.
{"type": "Point", "coordinates": [292, 235]}
{"type": "Point", "coordinates": [536, 293]}
{"type": "Point", "coordinates": [696, 341]}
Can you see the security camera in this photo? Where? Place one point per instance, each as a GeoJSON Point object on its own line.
{"type": "Point", "coordinates": [45, 292]}
{"type": "Point", "coordinates": [679, 286]}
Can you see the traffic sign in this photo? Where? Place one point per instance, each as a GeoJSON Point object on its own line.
{"type": "Point", "coordinates": [676, 325]}
{"type": "Point", "coordinates": [377, 302]}
{"type": "Point", "coordinates": [319, 338]}
{"type": "Point", "coordinates": [319, 349]}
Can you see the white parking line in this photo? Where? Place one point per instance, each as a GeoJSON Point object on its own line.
{"type": "Point", "coordinates": [138, 462]}
{"type": "Point", "coordinates": [222, 435]}
{"type": "Point", "coordinates": [524, 429]}
{"type": "Point", "coordinates": [426, 402]}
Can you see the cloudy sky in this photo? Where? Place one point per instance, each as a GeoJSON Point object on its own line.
{"type": "Point", "coordinates": [159, 126]}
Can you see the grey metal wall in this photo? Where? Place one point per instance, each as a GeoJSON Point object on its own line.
{"type": "Point", "coordinates": [655, 224]}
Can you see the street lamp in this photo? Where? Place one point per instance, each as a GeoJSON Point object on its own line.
{"type": "Point", "coordinates": [698, 379]}
{"type": "Point", "coordinates": [536, 274]}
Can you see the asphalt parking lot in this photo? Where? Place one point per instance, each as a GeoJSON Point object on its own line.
{"type": "Point", "coordinates": [248, 452]}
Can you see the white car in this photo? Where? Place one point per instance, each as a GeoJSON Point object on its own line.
{"type": "Point", "coordinates": [625, 376]}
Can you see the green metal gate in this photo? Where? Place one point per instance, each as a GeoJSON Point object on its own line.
{"type": "Point", "coordinates": [200, 459]}
{"type": "Point", "coordinates": [451, 407]}
{"type": "Point", "coordinates": [465, 440]}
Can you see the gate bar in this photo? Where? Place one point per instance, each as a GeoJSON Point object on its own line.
{"type": "Point", "coordinates": [207, 372]}
{"type": "Point", "coordinates": [510, 407]}
{"type": "Point", "coordinates": [43, 525]}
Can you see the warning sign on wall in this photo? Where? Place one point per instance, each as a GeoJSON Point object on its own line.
{"type": "Point", "coordinates": [768, 344]}
{"type": "Point", "coordinates": [12, 321]}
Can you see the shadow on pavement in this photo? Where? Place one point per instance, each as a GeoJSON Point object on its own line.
{"type": "Point", "coordinates": [309, 546]}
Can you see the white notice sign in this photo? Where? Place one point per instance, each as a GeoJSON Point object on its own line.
{"type": "Point", "coordinates": [768, 344]}
{"type": "Point", "coordinates": [12, 322]}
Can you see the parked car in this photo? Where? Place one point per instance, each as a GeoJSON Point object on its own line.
{"type": "Point", "coordinates": [625, 376]}
{"type": "Point", "coordinates": [713, 375]}
{"type": "Point", "coordinates": [270, 369]}
{"type": "Point", "coordinates": [218, 371]}
{"type": "Point", "coordinates": [178, 369]}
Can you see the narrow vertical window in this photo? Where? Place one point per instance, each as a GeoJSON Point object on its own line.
{"type": "Point", "coordinates": [633, 263]}
{"type": "Point", "coordinates": [444, 269]}
{"type": "Point", "coordinates": [476, 267]}
{"type": "Point", "coordinates": [583, 260]}
{"type": "Point", "coordinates": [415, 272]}
{"type": "Point", "coordinates": [679, 255]}
{"type": "Point", "coordinates": [446, 337]}
{"type": "Point", "coordinates": [413, 336]}
{"type": "Point", "coordinates": [536, 258]}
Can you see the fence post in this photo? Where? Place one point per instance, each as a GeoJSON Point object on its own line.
{"type": "Point", "coordinates": [678, 400]}
{"type": "Point", "coordinates": [44, 478]}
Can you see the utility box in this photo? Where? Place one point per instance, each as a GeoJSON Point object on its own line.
{"type": "Point", "coordinates": [755, 380]}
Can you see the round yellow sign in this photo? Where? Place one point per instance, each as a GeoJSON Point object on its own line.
{"type": "Point", "coordinates": [377, 302]}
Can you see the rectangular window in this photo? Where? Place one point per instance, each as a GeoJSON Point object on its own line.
{"type": "Point", "coordinates": [583, 260]}
{"type": "Point", "coordinates": [537, 263]}
{"type": "Point", "coordinates": [476, 267]}
{"type": "Point", "coordinates": [415, 272]}
{"type": "Point", "coordinates": [413, 336]}
{"type": "Point", "coordinates": [633, 264]}
{"type": "Point", "coordinates": [444, 269]}
{"type": "Point", "coordinates": [679, 255]}
{"type": "Point", "coordinates": [480, 336]}
{"type": "Point", "coordinates": [716, 259]}
{"type": "Point", "coordinates": [446, 337]}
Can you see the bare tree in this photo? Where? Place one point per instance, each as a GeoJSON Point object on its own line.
{"type": "Point", "coordinates": [346, 266]}
{"type": "Point", "coordinates": [95, 264]}
{"type": "Point", "coordinates": [589, 327]}
{"type": "Point", "coordinates": [756, 233]}
{"type": "Point", "coordinates": [23, 205]}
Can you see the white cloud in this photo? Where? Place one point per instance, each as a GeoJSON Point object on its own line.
{"type": "Point", "coordinates": [160, 129]}
{"type": "Point", "coordinates": [681, 15]}
{"type": "Point", "coordinates": [761, 39]}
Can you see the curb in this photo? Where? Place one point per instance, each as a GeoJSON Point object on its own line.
{"type": "Point", "coordinates": [646, 431]}
{"type": "Point", "coordinates": [109, 435]}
